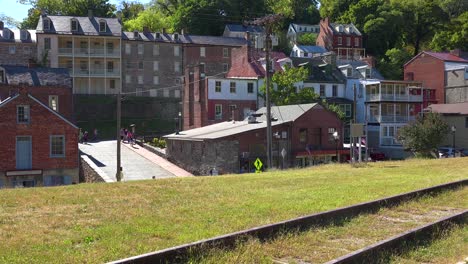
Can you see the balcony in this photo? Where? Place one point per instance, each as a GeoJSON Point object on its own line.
{"type": "Point", "coordinates": [115, 73]}
{"type": "Point", "coordinates": [85, 52]}
{"type": "Point", "coordinates": [390, 118]}
{"type": "Point", "coordinates": [394, 98]}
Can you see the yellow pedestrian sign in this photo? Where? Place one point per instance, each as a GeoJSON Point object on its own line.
{"type": "Point", "coordinates": [258, 164]}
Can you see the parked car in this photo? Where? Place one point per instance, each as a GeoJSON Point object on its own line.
{"type": "Point", "coordinates": [450, 152]}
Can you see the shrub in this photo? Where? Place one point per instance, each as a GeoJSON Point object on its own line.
{"type": "Point", "coordinates": [158, 142]}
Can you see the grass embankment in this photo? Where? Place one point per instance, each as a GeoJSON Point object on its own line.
{"type": "Point", "coordinates": [94, 223]}
{"type": "Point", "coordinates": [322, 244]}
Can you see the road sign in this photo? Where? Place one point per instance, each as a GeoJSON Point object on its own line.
{"type": "Point", "coordinates": [258, 165]}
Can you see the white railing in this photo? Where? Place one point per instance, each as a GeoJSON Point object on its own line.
{"type": "Point", "coordinates": [394, 98]}
{"type": "Point", "coordinates": [97, 52]}
{"type": "Point", "coordinates": [391, 118]}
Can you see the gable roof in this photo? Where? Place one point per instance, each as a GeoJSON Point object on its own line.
{"type": "Point", "coordinates": [17, 75]}
{"type": "Point", "coordinates": [444, 56]}
{"type": "Point", "coordinates": [242, 28]}
{"type": "Point", "coordinates": [320, 71]}
{"type": "Point", "coordinates": [295, 27]}
{"type": "Point", "coordinates": [346, 29]}
{"type": "Point", "coordinates": [86, 26]}
{"type": "Point", "coordinates": [312, 49]}
{"type": "Point", "coordinates": [10, 99]}
{"type": "Point", "coordinates": [357, 65]}
{"type": "Point", "coordinates": [283, 114]}
{"type": "Point", "coordinates": [454, 109]}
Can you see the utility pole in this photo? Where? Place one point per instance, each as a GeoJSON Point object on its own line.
{"type": "Point", "coordinates": [118, 174]}
{"type": "Point", "coordinates": [267, 22]}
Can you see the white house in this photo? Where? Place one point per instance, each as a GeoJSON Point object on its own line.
{"type": "Point", "coordinates": [302, 51]}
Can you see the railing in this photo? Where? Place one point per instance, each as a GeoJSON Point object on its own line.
{"type": "Point", "coordinates": [394, 98]}
{"type": "Point", "coordinates": [97, 52]}
{"type": "Point", "coordinates": [95, 73]}
{"type": "Point", "coordinates": [391, 118]}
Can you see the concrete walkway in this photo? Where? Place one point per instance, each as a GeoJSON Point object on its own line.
{"type": "Point", "coordinates": [134, 165]}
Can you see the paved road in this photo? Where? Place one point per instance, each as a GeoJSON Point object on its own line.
{"type": "Point", "coordinates": [135, 166]}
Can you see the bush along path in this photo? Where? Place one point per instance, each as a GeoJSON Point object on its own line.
{"type": "Point", "coordinates": [329, 243]}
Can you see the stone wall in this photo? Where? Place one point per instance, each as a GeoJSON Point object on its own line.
{"type": "Point", "coordinates": [456, 90]}
{"type": "Point", "coordinates": [199, 157]}
{"type": "Point", "coordinates": [88, 174]}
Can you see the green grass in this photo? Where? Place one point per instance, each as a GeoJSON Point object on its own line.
{"type": "Point", "coordinates": [94, 223]}
{"type": "Point", "coordinates": [452, 247]}
{"type": "Point", "coordinates": [322, 244]}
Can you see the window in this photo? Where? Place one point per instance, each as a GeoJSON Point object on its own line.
{"type": "Point", "coordinates": [225, 67]}
{"type": "Point", "coordinates": [57, 146]}
{"type": "Point", "coordinates": [322, 90]}
{"type": "Point", "coordinates": [232, 108]}
{"type": "Point", "coordinates": [356, 42]}
{"type": "Point", "coordinates": [128, 48]}
{"type": "Point", "coordinates": [128, 78]}
{"type": "Point", "coordinates": [349, 72]}
{"type": "Point", "coordinates": [24, 35]}
{"type": "Point", "coordinates": [303, 135]}
{"type": "Point", "coordinates": [225, 53]}
{"type": "Point", "coordinates": [102, 26]}
{"type": "Point", "coordinates": [346, 109]}
{"type": "Point", "coordinates": [202, 52]}
{"type": "Point", "coordinates": [348, 41]}
{"type": "Point", "coordinates": [331, 130]}
{"type": "Point", "coordinates": [218, 86]}
{"type": "Point", "coordinates": [140, 65]}
{"type": "Point", "coordinates": [155, 65]}
{"type": "Point", "coordinates": [177, 81]}
{"type": "Point", "coordinates": [340, 41]}
{"type": "Point", "coordinates": [177, 66]}
{"type": "Point", "coordinates": [250, 88]}
{"type": "Point", "coordinates": [46, 24]}
{"type": "Point", "coordinates": [306, 54]}
{"type": "Point", "coordinates": [110, 66]}
{"type": "Point", "coordinates": [57, 180]}
{"type": "Point", "coordinates": [232, 87]}
{"type": "Point", "coordinates": [22, 114]}
{"type": "Point", "coordinates": [140, 79]}
{"type": "Point", "coordinates": [27, 50]}
{"type": "Point", "coordinates": [368, 73]}
{"type": "Point", "coordinates": [140, 49]}
{"type": "Point", "coordinates": [112, 84]}
{"type": "Point", "coordinates": [218, 111]}
{"type": "Point", "coordinates": [155, 50]}
{"type": "Point", "coordinates": [158, 35]}
{"type": "Point", "coordinates": [47, 43]}
{"type": "Point", "coordinates": [74, 25]}
{"type": "Point", "coordinates": [110, 48]}
{"type": "Point", "coordinates": [53, 102]}
{"type": "Point", "coordinates": [335, 90]}
{"type": "Point", "coordinates": [12, 49]}
{"type": "Point", "coordinates": [176, 51]}
{"type": "Point", "coordinates": [155, 80]}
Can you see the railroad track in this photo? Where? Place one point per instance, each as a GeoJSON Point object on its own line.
{"type": "Point", "coordinates": [396, 216]}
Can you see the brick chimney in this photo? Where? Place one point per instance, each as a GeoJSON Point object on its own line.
{"type": "Point", "coordinates": [456, 52]}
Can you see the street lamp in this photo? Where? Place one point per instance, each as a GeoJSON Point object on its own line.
{"type": "Point", "coordinates": [454, 129]}
{"type": "Point", "coordinates": [336, 137]}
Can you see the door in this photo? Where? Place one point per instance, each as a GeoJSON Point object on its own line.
{"type": "Point", "coordinates": [23, 153]}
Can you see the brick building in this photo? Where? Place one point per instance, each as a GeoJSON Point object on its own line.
{"type": "Point", "coordinates": [305, 132]}
{"type": "Point", "coordinates": [343, 39]}
{"type": "Point", "coordinates": [53, 87]}
{"type": "Point", "coordinates": [39, 146]}
{"type": "Point", "coordinates": [17, 47]}
{"type": "Point", "coordinates": [430, 69]}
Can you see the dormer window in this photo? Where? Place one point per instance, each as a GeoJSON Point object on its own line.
{"type": "Point", "coordinates": [368, 73]}
{"type": "Point", "coordinates": [176, 36]}
{"type": "Point", "coordinates": [350, 30]}
{"type": "Point", "coordinates": [158, 35]}
{"type": "Point", "coordinates": [102, 26]}
{"type": "Point", "coordinates": [6, 33]}
{"type": "Point", "coordinates": [74, 24]}
{"type": "Point", "coordinates": [135, 34]}
{"type": "Point", "coordinates": [340, 28]}
{"type": "Point", "coordinates": [24, 35]}
{"type": "Point", "coordinates": [46, 24]}
{"type": "Point", "coordinates": [349, 72]}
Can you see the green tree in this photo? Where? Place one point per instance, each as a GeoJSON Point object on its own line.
{"type": "Point", "coordinates": [286, 93]}
{"type": "Point", "coordinates": [454, 35]}
{"type": "Point", "coordinates": [130, 10]}
{"type": "Point", "coordinates": [391, 65]}
{"type": "Point", "coordinates": [100, 8]}
{"type": "Point", "coordinates": [425, 135]}
{"type": "Point", "coordinates": [9, 21]}
{"type": "Point", "coordinates": [307, 39]}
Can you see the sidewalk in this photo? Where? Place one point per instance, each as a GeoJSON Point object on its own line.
{"type": "Point", "coordinates": [163, 163]}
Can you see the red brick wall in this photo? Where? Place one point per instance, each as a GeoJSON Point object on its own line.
{"type": "Point", "coordinates": [42, 124]}
{"type": "Point", "coordinates": [429, 71]}
{"type": "Point", "coordinates": [65, 107]}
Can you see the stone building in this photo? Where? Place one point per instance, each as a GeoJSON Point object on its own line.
{"type": "Point", "coordinates": [305, 132]}
{"type": "Point", "coordinates": [456, 116]}
{"type": "Point", "coordinates": [17, 47]}
{"type": "Point", "coordinates": [456, 87]}
{"type": "Point", "coordinates": [39, 146]}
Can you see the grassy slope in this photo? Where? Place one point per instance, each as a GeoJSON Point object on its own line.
{"type": "Point", "coordinates": [103, 222]}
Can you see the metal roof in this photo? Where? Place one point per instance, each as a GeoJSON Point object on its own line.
{"type": "Point", "coordinates": [87, 26]}
{"type": "Point", "coordinates": [281, 114]}
{"type": "Point", "coordinates": [312, 49]}
{"type": "Point", "coordinates": [185, 39]}
{"type": "Point", "coordinates": [16, 75]}
{"type": "Point", "coordinates": [15, 36]}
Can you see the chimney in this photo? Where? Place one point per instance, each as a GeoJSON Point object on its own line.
{"type": "Point", "coordinates": [456, 52]}
{"type": "Point", "coordinates": [90, 13]}
{"type": "Point", "coordinates": [164, 31]}
{"type": "Point", "coordinates": [1, 25]}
